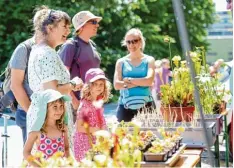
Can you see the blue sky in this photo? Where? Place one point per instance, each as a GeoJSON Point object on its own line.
{"type": "Point", "coordinates": [220, 5]}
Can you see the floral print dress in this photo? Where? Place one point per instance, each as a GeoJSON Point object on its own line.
{"type": "Point", "coordinates": [95, 118]}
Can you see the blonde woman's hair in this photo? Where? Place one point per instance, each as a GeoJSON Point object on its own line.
{"type": "Point", "coordinates": [86, 91]}
{"type": "Point", "coordinates": [45, 16]}
{"type": "Point", "coordinates": [135, 32]}
{"type": "Point", "coordinates": [60, 124]}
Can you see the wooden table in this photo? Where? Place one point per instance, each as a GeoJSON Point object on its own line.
{"type": "Point", "coordinates": [190, 158]}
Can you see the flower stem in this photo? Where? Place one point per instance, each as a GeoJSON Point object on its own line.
{"type": "Point", "coordinates": [204, 59]}
{"type": "Point", "coordinates": [169, 45]}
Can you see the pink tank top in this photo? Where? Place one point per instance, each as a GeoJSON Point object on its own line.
{"type": "Point", "coordinates": [49, 146]}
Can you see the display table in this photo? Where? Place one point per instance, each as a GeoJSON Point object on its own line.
{"type": "Point", "coordinates": [188, 161]}
{"type": "Point", "coordinates": [188, 158]}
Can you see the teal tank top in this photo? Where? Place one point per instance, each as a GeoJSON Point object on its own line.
{"type": "Point", "coordinates": [140, 71]}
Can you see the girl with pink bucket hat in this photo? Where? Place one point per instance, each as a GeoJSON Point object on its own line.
{"type": "Point", "coordinates": [90, 116]}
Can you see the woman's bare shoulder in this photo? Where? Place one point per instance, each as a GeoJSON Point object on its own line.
{"type": "Point", "coordinates": [148, 57]}
{"type": "Point", "coordinates": [121, 60]}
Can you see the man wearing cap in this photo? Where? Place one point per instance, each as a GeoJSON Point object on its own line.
{"type": "Point", "coordinates": [79, 54]}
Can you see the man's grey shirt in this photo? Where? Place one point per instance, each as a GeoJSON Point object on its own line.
{"type": "Point", "coordinates": [19, 60]}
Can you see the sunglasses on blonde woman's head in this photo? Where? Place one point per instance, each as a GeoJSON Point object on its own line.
{"type": "Point", "coordinates": [132, 41]}
{"type": "Point", "coordinates": [94, 22]}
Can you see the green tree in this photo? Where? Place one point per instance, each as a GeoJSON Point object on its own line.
{"type": "Point", "coordinates": [154, 17]}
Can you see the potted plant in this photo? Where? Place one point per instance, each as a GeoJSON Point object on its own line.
{"type": "Point", "coordinates": [177, 103]}
{"type": "Point", "coordinates": [213, 94]}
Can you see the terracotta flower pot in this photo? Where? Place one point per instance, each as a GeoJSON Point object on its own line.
{"type": "Point", "coordinates": [178, 114]}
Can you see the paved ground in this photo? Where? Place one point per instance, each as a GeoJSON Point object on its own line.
{"type": "Point", "coordinates": [15, 143]}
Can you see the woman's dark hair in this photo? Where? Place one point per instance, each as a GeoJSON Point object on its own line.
{"type": "Point", "coordinates": [45, 16]}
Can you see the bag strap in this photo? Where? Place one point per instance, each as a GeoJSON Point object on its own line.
{"type": "Point", "coordinates": [77, 48]}
{"type": "Point", "coordinates": [76, 55]}
{"type": "Point", "coordinates": [93, 44]}
{"type": "Point", "coordinates": [3, 72]}
{"type": "Point", "coordinates": [28, 44]}
{"type": "Point", "coordinates": [77, 52]}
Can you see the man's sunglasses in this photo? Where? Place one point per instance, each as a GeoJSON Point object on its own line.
{"type": "Point", "coordinates": [94, 22]}
{"type": "Point", "coordinates": [228, 1]}
{"type": "Point", "coordinates": [132, 41]}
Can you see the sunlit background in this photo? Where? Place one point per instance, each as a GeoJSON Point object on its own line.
{"type": "Point", "coordinates": [220, 34]}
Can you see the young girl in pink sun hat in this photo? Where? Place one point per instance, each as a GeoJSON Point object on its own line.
{"type": "Point", "coordinates": [90, 116]}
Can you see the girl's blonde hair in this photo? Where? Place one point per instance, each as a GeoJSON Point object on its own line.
{"type": "Point", "coordinates": [135, 32]}
{"type": "Point", "coordinates": [45, 16]}
{"type": "Point", "coordinates": [60, 124]}
{"type": "Point", "coordinates": [86, 91]}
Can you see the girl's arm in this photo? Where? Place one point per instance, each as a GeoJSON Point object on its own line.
{"type": "Point", "coordinates": [81, 128]}
{"type": "Point", "coordinates": [118, 79]}
{"type": "Point", "coordinates": [75, 101]}
{"type": "Point", "coordinates": [103, 126]}
{"type": "Point", "coordinates": [66, 143]}
{"type": "Point", "coordinates": [146, 81]}
{"type": "Point", "coordinates": [82, 116]}
{"type": "Point", "coordinates": [32, 138]}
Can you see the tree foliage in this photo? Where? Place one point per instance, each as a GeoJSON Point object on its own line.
{"type": "Point", "coordinates": [154, 17]}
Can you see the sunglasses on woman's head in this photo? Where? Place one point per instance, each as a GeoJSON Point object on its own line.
{"type": "Point", "coordinates": [132, 41]}
{"type": "Point", "coordinates": [94, 22]}
{"type": "Point", "coordinates": [51, 17]}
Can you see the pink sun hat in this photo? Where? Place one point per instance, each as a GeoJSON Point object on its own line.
{"type": "Point", "coordinates": [94, 74]}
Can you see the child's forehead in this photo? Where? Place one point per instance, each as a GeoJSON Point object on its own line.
{"type": "Point", "coordinates": [59, 101]}
{"type": "Point", "coordinates": [99, 81]}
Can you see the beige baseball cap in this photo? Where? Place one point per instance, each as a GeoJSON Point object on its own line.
{"type": "Point", "coordinates": [82, 17]}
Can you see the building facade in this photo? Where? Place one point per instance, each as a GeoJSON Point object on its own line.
{"type": "Point", "coordinates": [220, 38]}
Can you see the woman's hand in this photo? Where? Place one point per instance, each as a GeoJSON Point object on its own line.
{"type": "Point", "coordinates": [77, 84]}
{"type": "Point", "coordinates": [127, 80]}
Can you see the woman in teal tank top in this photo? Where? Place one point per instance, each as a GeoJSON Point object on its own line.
{"type": "Point", "coordinates": [134, 75]}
